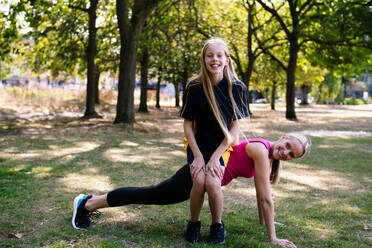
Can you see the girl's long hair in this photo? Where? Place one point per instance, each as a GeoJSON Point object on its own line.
{"type": "Point", "coordinates": [276, 165]}
{"type": "Point", "coordinates": [204, 78]}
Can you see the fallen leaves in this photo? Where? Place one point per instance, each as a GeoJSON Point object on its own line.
{"type": "Point", "coordinates": [15, 235]}
{"type": "Point", "coordinates": [367, 227]}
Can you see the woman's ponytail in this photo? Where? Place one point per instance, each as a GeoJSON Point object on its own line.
{"type": "Point", "coordinates": [275, 171]}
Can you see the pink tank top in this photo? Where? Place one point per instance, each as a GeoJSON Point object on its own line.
{"type": "Point", "coordinates": [240, 165]}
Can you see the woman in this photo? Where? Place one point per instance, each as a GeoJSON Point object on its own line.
{"type": "Point", "coordinates": [256, 158]}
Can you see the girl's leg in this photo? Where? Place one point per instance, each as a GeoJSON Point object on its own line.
{"type": "Point", "coordinates": [196, 204]}
{"type": "Point", "coordinates": [215, 197]}
{"type": "Point", "coordinates": [197, 197]}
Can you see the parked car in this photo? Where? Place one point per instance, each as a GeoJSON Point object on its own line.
{"type": "Point", "coordinates": [12, 82]}
{"type": "Point", "coordinates": [151, 85]}
{"type": "Point", "coordinates": [260, 100]}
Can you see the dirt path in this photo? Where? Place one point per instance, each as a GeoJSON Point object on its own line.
{"type": "Point", "coordinates": [24, 116]}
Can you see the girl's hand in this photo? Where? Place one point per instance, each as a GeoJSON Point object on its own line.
{"type": "Point", "coordinates": [214, 168]}
{"type": "Point", "coordinates": [283, 243]}
{"type": "Point", "coordinates": [197, 166]}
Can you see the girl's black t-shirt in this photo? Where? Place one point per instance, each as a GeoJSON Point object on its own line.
{"type": "Point", "coordinates": [208, 133]}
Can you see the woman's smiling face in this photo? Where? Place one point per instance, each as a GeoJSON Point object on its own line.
{"type": "Point", "coordinates": [287, 148]}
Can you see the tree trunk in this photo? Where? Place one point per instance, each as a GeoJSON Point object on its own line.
{"type": "Point", "coordinates": [97, 74]}
{"type": "Point", "coordinates": [127, 69]}
{"type": "Point", "coordinates": [91, 52]}
{"type": "Point", "coordinates": [304, 90]}
{"type": "Point", "coordinates": [184, 85]}
{"type": "Point", "coordinates": [273, 93]}
{"type": "Point", "coordinates": [177, 93]}
{"type": "Point", "coordinates": [291, 78]}
{"type": "Point", "coordinates": [158, 87]}
{"type": "Point", "coordinates": [251, 55]}
{"type": "Point", "coordinates": [246, 81]}
{"type": "Point", "coordinates": [184, 79]}
{"type": "Point", "coordinates": [130, 31]}
{"type": "Point", "coordinates": [144, 81]}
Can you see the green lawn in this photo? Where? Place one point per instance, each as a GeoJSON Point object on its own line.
{"type": "Point", "coordinates": [323, 200]}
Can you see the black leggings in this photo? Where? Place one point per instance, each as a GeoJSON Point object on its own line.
{"type": "Point", "coordinates": [173, 190]}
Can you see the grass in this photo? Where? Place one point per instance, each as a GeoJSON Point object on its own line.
{"type": "Point", "coordinates": [323, 200]}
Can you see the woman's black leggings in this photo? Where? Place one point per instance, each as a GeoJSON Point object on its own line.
{"type": "Point", "coordinates": [173, 190]}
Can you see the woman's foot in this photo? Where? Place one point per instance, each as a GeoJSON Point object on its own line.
{"type": "Point", "coordinates": [81, 216]}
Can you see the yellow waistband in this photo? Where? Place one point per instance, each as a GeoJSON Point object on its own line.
{"type": "Point", "coordinates": [225, 155]}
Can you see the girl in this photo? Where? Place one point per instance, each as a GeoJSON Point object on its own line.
{"type": "Point", "coordinates": [210, 126]}
{"type": "Point", "coordinates": [256, 158]}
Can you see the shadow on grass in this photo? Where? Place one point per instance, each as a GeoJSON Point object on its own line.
{"type": "Point", "coordinates": [44, 173]}
{"type": "Point", "coordinates": [322, 199]}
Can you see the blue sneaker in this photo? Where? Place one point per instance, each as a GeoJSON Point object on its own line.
{"type": "Point", "coordinates": [81, 216]}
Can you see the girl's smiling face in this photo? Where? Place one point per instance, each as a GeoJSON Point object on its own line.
{"type": "Point", "coordinates": [215, 59]}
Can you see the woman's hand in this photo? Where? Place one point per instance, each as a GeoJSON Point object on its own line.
{"type": "Point", "coordinates": [197, 166]}
{"type": "Point", "coordinates": [214, 168]}
{"type": "Point", "coordinates": [283, 243]}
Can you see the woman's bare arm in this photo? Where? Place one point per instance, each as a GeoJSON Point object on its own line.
{"type": "Point", "coordinates": [260, 155]}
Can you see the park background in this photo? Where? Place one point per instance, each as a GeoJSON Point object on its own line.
{"type": "Point", "coordinates": [89, 100]}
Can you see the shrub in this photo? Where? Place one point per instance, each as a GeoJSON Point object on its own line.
{"type": "Point", "coordinates": [353, 101]}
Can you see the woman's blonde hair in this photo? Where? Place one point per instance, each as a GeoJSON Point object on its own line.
{"type": "Point", "coordinates": [276, 165]}
{"type": "Point", "coordinates": [204, 78]}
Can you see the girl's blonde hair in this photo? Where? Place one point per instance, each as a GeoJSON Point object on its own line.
{"type": "Point", "coordinates": [276, 165]}
{"type": "Point", "coordinates": [204, 78]}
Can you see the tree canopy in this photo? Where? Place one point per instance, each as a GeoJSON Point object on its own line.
{"type": "Point", "coordinates": [296, 42]}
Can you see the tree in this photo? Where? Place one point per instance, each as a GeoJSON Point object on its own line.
{"type": "Point", "coordinates": [327, 89]}
{"type": "Point", "coordinates": [184, 57]}
{"type": "Point", "coordinates": [308, 76]}
{"type": "Point", "coordinates": [144, 61]}
{"type": "Point", "coordinates": [245, 64]}
{"type": "Point", "coordinates": [155, 44]}
{"type": "Point", "coordinates": [318, 22]}
{"type": "Point", "coordinates": [244, 26]}
{"type": "Point", "coordinates": [65, 40]}
{"type": "Point", "coordinates": [91, 51]}
{"type": "Point", "coordinates": [343, 34]}
{"type": "Point", "coordinates": [8, 37]}
{"type": "Point", "coordinates": [268, 79]}
{"type": "Point", "coordinates": [292, 29]}
{"type": "Point", "coordinates": [130, 20]}
{"type": "Point", "coordinates": [108, 43]}
{"type": "Point", "coordinates": [175, 45]}
{"type": "Point", "coordinates": [149, 48]}
{"type": "Point", "coordinates": [259, 36]}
